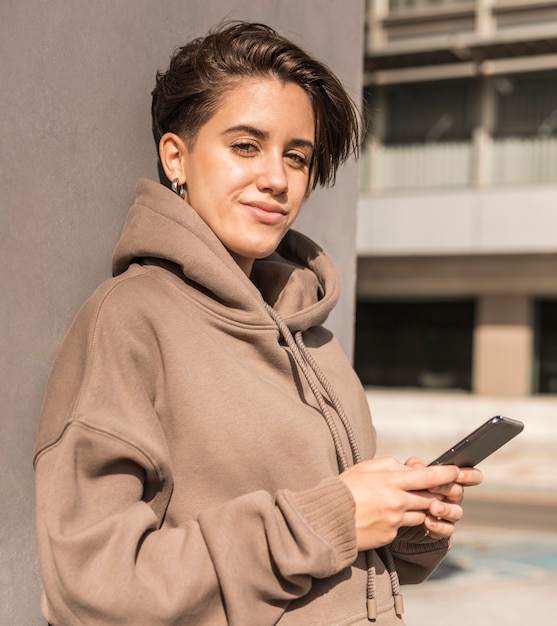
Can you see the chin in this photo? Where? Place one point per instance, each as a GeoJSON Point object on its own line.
{"type": "Point", "coordinates": [261, 251]}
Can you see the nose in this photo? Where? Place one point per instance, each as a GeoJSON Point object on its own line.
{"type": "Point", "coordinates": [273, 177]}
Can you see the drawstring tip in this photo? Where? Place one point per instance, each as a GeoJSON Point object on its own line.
{"type": "Point", "coordinates": [371, 609]}
{"type": "Point", "coordinates": [399, 604]}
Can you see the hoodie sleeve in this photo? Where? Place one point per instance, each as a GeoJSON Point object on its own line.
{"type": "Point", "coordinates": [110, 551]}
{"type": "Point", "coordinates": [107, 557]}
{"type": "Point", "coordinates": [416, 556]}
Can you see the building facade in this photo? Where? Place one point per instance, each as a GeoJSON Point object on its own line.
{"type": "Point", "coordinates": [457, 218]}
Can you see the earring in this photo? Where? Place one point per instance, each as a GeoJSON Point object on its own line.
{"type": "Point", "coordinates": [179, 190]}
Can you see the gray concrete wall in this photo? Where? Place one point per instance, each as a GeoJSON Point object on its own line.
{"type": "Point", "coordinates": [75, 127]}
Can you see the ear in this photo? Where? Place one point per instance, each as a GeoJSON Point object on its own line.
{"type": "Point", "coordinates": [172, 152]}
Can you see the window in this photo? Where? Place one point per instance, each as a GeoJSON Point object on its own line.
{"type": "Point", "coordinates": [405, 5]}
{"type": "Point", "coordinates": [428, 112]}
{"type": "Point", "coordinates": [424, 135]}
{"type": "Point", "coordinates": [415, 344]}
{"type": "Point", "coordinates": [545, 377]}
{"type": "Point", "coordinates": [525, 134]}
{"type": "Point", "coordinates": [526, 105]}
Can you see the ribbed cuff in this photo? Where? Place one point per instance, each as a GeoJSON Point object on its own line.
{"type": "Point", "coordinates": [330, 510]}
{"type": "Point", "coordinates": [413, 540]}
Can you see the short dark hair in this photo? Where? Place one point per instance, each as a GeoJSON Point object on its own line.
{"type": "Point", "coordinates": [189, 93]}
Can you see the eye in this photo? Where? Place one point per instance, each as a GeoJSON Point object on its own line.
{"type": "Point", "coordinates": [298, 159]}
{"type": "Point", "coordinates": [245, 148]}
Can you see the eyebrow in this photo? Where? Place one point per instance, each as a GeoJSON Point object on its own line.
{"type": "Point", "coordinates": [263, 135]}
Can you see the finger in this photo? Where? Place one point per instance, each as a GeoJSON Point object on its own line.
{"type": "Point", "coordinates": [420, 500]}
{"type": "Point", "coordinates": [427, 477]}
{"type": "Point", "coordinates": [445, 511]}
{"type": "Point", "coordinates": [469, 477]}
{"type": "Point", "coordinates": [414, 462]}
{"type": "Point", "coordinates": [413, 518]}
{"type": "Point", "coordinates": [438, 529]}
{"type": "Point", "coordinates": [452, 492]}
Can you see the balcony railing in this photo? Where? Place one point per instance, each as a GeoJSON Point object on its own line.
{"type": "Point", "coordinates": [529, 160]}
{"type": "Point", "coordinates": [440, 165]}
{"type": "Point", "coordinates": [417, 166]}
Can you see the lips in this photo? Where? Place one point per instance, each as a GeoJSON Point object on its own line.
{"type": "Point", "coordinates": [266, 212]}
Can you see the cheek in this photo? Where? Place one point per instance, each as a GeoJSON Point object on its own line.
{"type": "Point", "coordinates": [299, 194]}
{"type": "Point", "coordinates": [293, 216]}
{"type": "Point", "coordinates": [224, 179]}
{"type": "Point", "coordinates": [238, 172]}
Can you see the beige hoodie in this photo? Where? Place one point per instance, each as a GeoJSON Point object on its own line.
{"type": "Point", "coordinates": [186, 468]}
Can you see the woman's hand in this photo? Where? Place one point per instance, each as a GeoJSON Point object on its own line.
{"type": "Point", "coordinates": [389, 494]}
{"type": "Point", "coordinates": [445, 511]}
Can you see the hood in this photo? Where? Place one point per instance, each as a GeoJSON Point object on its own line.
{"type": "Point", "coordinates": [299, 281]}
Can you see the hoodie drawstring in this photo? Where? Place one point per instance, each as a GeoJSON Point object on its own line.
{"type": "Point", "coordinates": [311, 371]}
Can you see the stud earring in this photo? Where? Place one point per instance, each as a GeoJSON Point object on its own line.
{"type": "Point", "coordinates": [179, 190]}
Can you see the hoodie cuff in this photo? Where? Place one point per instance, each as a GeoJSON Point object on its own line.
{"type": "Point", "coordinates": [413, 540]}
{"type": "Point", "coordinates": [330, 510]}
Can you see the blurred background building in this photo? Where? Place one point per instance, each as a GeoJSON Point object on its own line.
{"type": "Point", "coordinates": [457, 230]}
{"type": "Point", "coordinates": [456, 316]}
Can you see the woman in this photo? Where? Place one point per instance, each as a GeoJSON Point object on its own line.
{"type": "Point", "coordinates": [205, 451]}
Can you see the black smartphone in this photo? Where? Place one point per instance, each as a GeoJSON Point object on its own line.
{"type": "Point", "coordinates": [480, 443]}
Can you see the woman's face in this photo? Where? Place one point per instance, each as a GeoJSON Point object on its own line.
{"type": "Point", "coordinates": [248, 172]}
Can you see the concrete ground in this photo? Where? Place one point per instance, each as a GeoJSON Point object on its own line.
{"type": "Point", "coordinates": [489, 586]}
{"type": "Point", "coordinates": [503, 565]}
